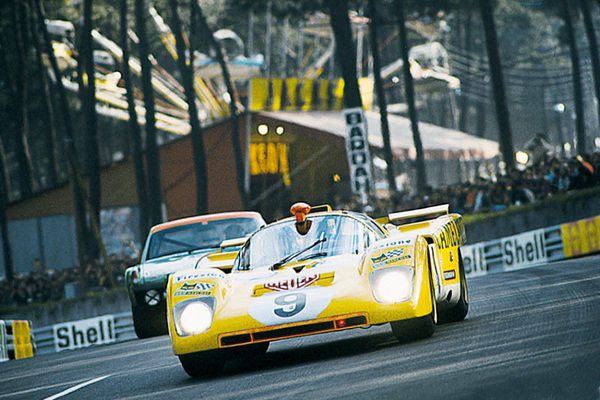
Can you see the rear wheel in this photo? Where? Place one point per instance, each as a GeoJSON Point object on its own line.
{"type": "Point", "coordinates": [459, 311]}
{"type": "Point", "coordinates": [417, 328]}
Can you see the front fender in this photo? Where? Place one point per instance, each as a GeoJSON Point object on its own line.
{"type": "Point", "coordinates": [192, 284]}
{"type": "Point", "coordinates": [408, 252]}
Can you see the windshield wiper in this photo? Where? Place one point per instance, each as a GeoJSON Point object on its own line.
{"type": "Point", "coordinates": [290, 257]}
{"type": "Point", "coordinates": [313, 255]}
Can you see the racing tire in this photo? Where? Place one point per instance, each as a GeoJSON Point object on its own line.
{"type": "Point", "coordinates": [417, 328]}
{"type": "Point", "coordinates": [459, 311]}
{"type": "Point", "coordinates": [203, 363]}
{"type": "Point", "coordinates": [148, 323]}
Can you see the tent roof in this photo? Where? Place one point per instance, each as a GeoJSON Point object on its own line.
{"type": "Point", "coordinates": [437, 141]}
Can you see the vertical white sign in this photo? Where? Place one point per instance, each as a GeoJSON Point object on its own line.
{"type": "Point", "coordinates": [3, 348]}
{"type": "Point", "coordinates": [359, 156]}
{"type": "Point", "coordinates": [84, 333]}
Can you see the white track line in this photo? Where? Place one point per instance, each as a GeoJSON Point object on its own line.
{"type": "Point", "coordinates": [74, 388]}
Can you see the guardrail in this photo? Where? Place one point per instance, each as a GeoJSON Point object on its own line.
{"type": "Point", "coordinates": [533, 248]}
{"type": "Point", "coordinates": [84, 333]}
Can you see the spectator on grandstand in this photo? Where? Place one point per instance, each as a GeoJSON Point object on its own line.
{"type": "Point", "coordinates": [538, 148]}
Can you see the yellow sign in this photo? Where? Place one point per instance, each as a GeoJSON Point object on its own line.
{"type": "Point", "coordinates": [581, 237]}
{"type": "Point", "coordinates": [304, 94]}
{"type": "Point", "coordinates": [270, 158]}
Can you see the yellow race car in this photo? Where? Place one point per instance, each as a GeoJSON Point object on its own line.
{"type": "Point", "coordinates": [322, 271]}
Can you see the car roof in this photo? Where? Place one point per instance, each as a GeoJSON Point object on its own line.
{"type": "Point", "coordinates": [206, 218]}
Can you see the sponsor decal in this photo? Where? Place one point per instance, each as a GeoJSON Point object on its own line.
{"type": "Point", "coordinates": [84, 333]}
{"type": "Point", "coordinates": [402, 242]}
{"type": "Point", "coordinates": [298, 282]}
{"type": "Point", "coordinates": [449, 275]}
{"type": "Point", "coordinates": [452, 234]}
{"type": "Point", "coordinates": [199, 276]}
{"type": "Point", "coordinates": [293, 283]}
{"type": "Point", "coordinates": [389, 257]}
{"type": "Point", "coordinates": [195, 289]}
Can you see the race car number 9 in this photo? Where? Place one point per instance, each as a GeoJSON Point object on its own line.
{"type": "Point", "coordinates": [292, 304]}
{"type": "Point", "coordinates": [299, 305]}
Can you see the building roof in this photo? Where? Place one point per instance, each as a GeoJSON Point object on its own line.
{"type": "Point", "coordinates": [438, 142]}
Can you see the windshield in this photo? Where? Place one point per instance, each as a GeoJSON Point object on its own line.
{"type": "Point", "coordinates": [280, 243]}
{"type": "Point", "coordinates": [201, 235]}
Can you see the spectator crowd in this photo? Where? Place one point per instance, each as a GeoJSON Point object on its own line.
{"type": "Point", "coordinates": [549, 176]}
{"type": "Point", "coordinates": [49, 285]}
{"type": "Point", "coordinates": [546, 177]}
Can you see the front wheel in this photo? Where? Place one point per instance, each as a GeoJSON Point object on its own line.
{"type": "Point", "coordinates": [203, 363]}
{"type": "Point", "coordinates": [417, 328]}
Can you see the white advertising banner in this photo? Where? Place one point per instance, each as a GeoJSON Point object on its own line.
{"type": "Point", "coordinates": [359, 155]}
{"type": "Point", "coordinates": [3, 348]}
{"type": "Point", "coordinates": [474, 260]}
{"type": "Point", "coordinates": [84, 333]}
{"type": "Point", "coordinates": [524, 250]}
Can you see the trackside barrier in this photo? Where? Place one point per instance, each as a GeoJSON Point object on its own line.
{"type": "Point", "coordinates": [3, 344]}
{"type": "Point", "coordinates": [532, 248]}
{"type": "Point", "coordinates": [84, 333]}
{"type": "Point", "coordinates": [16, 340]}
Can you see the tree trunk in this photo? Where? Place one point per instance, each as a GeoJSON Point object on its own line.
{"type": "Point", "coordinates": [187, 72]}
{"type": "Point", "coordinates": [6, 247]}
{"type": "Point", "coordinates": [381, 99]}
{"type": "Point", "coordinates": [49, 137]}
{"type": "Point", "coordinates": [235, 136]}
{"type": "Point", "coordinates": [464, 100]}
{"type": "Point", "coordinates": [22, 153]}
{"type": "Point", "coordinates": [152, 154]}
{"type": "Point", "coordinates": [135, 133]}
{"type": "Point", "coordinates": [491, 42]}
{"type": "Point", "coordinates": [69, 146]}
{"type": "Point", "coordinates": [577, 89]}
{"type": "Point", "coordinates": [410, 98]}
{"type": "Point", "coordinates": [593, 42]}
{"type": "Point", "coordinates": [357, 141]}
{"type": "Point", "coordinates": [343, 39]}
{"type": "Point", "coordinates": [91, 121]}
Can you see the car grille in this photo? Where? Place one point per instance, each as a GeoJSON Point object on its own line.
{"type": "Point", "coordinates": [294, 330]}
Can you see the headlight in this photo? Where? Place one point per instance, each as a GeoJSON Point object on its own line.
{"type": "Point", "coordinates": [392, 285]}
{"type": "Point", "coordinates": [194, 316]}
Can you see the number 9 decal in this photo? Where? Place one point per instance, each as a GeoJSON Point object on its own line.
{"type": "Point", "coordinates": [292, 304]}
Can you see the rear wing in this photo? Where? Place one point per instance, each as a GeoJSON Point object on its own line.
{"type": "Point", "coordinates": [420, 212]}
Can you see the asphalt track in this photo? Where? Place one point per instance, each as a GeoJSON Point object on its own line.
{"type": "Point", "coordinates": [530, 334]}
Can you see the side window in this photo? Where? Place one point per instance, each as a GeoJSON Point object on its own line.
{"type": "Point", "coordinates": [242, 261]}
{"type": "Point", "coordinates": [369, 238]}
